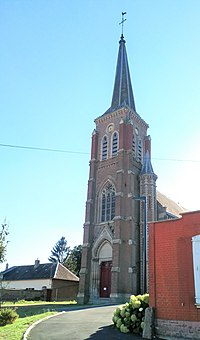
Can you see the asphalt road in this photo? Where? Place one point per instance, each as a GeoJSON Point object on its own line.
{"type": "Point", "coordinates": [88, 323]}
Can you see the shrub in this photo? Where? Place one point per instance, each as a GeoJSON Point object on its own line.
{"type": "Point", "coordinates": [7, 316]}
{"type": "Point", "coordinates": [130, 317]}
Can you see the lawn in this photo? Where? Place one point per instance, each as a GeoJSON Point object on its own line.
{"type": "Point", "coordinates": [29, 312]}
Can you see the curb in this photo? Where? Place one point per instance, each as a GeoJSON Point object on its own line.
{"type": "Point", "coordinates": [37, 322]}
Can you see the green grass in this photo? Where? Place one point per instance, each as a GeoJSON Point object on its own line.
{"type": "Point", "coordinates": [29, 312]}
{"type": "Point", "coordinates": [27, 303]}
{"type": "Point", "coordinates": [19, 327]}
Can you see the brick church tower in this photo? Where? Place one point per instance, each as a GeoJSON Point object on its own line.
{"type": "Point", "coordinates": [120, 170]}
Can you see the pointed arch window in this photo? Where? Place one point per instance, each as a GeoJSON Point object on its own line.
{"type": "Point", "coordinates": [133, 146]}
{"type": "Point", "coordinates": [104, 148]}
{"type": "Point", "coordinates": [108, 203]}
{"type": "Point", "coordinates": [114, 144]}
{"type": "Point", "coordinates": [140, 150]}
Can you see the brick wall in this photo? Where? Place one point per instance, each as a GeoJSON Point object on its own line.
{"type": "Point", "coordinates": [171, 280]}
{"type": "Point", "coordinates": [21, 294]}
{"type": "Point", "coordinates": [63, 290]}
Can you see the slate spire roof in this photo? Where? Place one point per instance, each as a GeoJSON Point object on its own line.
{"type": "Point", "coordinates": [122, 93]}
{"type": "Point", "coordinates": [147, 166]}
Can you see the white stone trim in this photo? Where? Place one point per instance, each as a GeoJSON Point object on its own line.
{"type": "Point", "coordinates": [120, 193]}
{"type": "Point", "coordinates": [115, 269]}
{"type": "Point", "coordinates": [89, 201]}
{"type": "Point", "coordinates": [117, 240]}
{"type": "Point", "coordinates": [80, 295]}
{"type": "Point", "coordinates": [104, 236]}
{"type": "Point", "coordinates": [120, 171]}
{"type": "Point", "coordinates": [85, 245]}
{"type": "Point", "coordinates": [114, 295]}
{"type": "Point", "coordinates": [117, 218]}
{"type": "Point", "coordinates": [128, 218]}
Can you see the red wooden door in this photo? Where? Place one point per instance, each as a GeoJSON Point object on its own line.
{"type": "Point", "coordinates": [105, 279]}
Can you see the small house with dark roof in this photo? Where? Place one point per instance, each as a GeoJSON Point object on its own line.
{"type": "Point", "coordinates": [54, 279]}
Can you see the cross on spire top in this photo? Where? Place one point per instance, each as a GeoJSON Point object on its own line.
{"type": "Point", "coordinates": [122, 22]}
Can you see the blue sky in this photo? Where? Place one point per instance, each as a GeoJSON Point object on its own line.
{"type": "Point", "coordinates": [57, 67]}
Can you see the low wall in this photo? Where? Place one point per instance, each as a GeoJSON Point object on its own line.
{"type": "Point", "coordinates": [16, 295]}
{"type": "Point", "coordinates": [62, 290]}
{"type": "Point", "coordinates": [169, 329]}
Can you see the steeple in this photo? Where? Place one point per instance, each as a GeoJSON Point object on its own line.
{"type": "Point", "coordinates": [147, 166]}
{"type": "Point", "coordinates": [122, 93]}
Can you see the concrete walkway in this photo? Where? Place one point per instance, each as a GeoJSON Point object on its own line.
{"type": "Point", "coordinates": [88, 323]}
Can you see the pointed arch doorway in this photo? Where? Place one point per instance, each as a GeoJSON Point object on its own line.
{"type": "Point", "coordinates": [105, 262]}
{"type": "Point", "coordinates": [105, 279]}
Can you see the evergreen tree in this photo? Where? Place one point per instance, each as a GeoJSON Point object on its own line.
{"type": "Point", "coordinates": [73, 262]}
{"type": "Point", "coordinates": [60, 251]}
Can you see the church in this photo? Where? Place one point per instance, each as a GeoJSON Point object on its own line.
{"type": "Point", "coordinates": [121, 199]}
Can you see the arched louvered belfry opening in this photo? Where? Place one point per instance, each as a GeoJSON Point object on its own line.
{"type": "Point", "coordinates": [104, 154]}
{"type": "Point", "coordinates": [114, 144]}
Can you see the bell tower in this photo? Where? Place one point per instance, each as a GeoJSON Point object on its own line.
{"type": "Point", "coordinates": [111, 260]}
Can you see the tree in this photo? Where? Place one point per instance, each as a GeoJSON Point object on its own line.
{"type": "Point", "coordinates": [73, 262]}
{"type": "Point", "coordinates": [3, 243]}
{"type": "Point", "coordinates": [60, 251]}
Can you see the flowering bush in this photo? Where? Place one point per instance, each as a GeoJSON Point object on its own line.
{"type": "Point", "coordinates": [130, 317]}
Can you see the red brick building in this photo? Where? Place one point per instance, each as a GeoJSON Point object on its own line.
{"type": "Point", "coordinates": [172, 269]}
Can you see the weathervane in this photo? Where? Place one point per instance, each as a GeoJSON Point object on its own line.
{"type": "Point", "coordinates": [122, 22]}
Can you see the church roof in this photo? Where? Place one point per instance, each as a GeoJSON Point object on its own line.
{"type": "Point", "coordinates": [147, 166]}
{"type": "Point", "coordinates": [172, 207]}
{"type": "Point", "coordinates": [123, 92]}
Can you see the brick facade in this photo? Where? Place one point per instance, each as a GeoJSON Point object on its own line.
{"type": "Point", "coordinates": [123, 232]}
{"type": "Point", "coordinates": [171, 277]}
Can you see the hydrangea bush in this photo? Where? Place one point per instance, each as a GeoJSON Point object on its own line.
{"type": "Point", "coordinates": [130, 317]}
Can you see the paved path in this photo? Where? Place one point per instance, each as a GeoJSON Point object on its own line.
{"type": "Point", "coordinates": [90, 323]}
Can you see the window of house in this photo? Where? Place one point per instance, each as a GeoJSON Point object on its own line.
{"type": "Point", "coordinates": [196, 266]}
{"type": "Point", "coordinates": [114, 144]}
{"type": "Point", "coordinates": [105, 148]}
{"type": "Point", "coordinates": [108, 203]}
{"type": "Point", "coordinates": [140, 150]}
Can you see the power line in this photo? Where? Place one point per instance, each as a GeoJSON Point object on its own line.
{"type": "Point", "coordinates": [42, 149]}
{"type": "Point", "coordinates": [176, 160]}
{"type": "Point", "coordinates": [87, 153]}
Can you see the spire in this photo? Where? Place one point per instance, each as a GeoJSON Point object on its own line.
{"type": "Point", "coordinates": [147, 166]}
{"type": "Point", "coordinates": [122, 93]}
